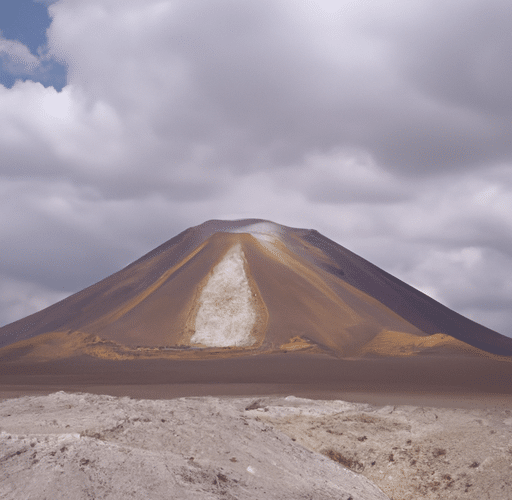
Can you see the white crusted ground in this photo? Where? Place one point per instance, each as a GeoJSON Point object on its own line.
{"type": "Point", "coordinates": [79, 446]}
{"type": "Point", "coordinates": [227, 313]}
{"type": "Point", "coordinates": [410, 452]}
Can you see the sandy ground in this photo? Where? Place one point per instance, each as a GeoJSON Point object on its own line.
{"type": "Point", "coordinates": [77, 445]}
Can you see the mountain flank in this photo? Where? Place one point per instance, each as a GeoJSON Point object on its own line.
{"type": "Point", "coordinates": [248, 287]}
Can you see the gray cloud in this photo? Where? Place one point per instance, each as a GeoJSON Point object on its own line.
{"type": "Point", "coordinates": [261, 85]}
{"type": "Point", "coordinates": [385, 127]}
{"type": "Point", "coordinates": [459, 54]}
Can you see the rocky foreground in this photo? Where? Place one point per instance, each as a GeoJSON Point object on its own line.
{"type": "Point", "coordinates": [103, 447]}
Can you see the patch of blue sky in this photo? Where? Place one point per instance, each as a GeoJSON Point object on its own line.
{"type": "Point", "coordinates": [23, 44]}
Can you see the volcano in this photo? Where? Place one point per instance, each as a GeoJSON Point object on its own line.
{"type": "Point", "coordinates": [248, 287]}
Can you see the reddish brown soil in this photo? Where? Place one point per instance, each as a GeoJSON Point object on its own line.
{"type": "Point", "coordinates": [431, 381]}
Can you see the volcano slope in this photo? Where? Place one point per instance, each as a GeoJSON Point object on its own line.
{"type": "Point", "coordinates": [254, 302]}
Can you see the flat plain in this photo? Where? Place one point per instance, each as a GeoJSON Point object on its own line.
{"type": "Point", "coordinates": [278, 426]}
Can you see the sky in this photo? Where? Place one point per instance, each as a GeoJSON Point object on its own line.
{"type": "Point", "coordinates": [386, 126]}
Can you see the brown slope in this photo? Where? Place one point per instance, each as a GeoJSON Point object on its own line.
{"type": "Point", "coordinates": [308, 291]}
{"type": "Point", "coordinates": [425, 313]}
{"type": "Point", "coordinates": [301, 302]}
{"type": "Point", "coordinates": [295, 301]}
{"type": "Point", "coordinates": [298, 301]}
{"type": "Point", "coordinates": [86, 306]}
{"type": "Point", "coordinates": [161, 315]}
{"type": "Point", "coordinates": [97, 301]}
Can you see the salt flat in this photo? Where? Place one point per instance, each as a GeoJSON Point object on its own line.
{"type": "Point", "coordinates": [82, 445]}
{"type": "Point", "coordinates": [89, 446]}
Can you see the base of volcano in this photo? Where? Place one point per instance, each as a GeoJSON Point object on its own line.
{"type": "Point", "coordinates": [284, 373]}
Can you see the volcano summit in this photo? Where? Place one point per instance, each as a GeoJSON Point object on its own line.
{"type": "Point", "coordinates": [231, 288]}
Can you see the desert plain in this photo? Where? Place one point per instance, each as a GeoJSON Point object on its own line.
{"type": "Point", "coordinates": [284, 426]}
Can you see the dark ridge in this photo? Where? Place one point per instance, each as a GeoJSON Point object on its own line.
{"type": "Point", "coordinates": [414, 306]}
{"type": "Point", "coordinates": [331, 269]}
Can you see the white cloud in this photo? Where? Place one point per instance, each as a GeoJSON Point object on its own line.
{"type": "Point", "coordinates": [50, 134]}
{"type": "Point", "coordinates": [17, 58]}
{"type": "Point", "coordinates": [346, 176]}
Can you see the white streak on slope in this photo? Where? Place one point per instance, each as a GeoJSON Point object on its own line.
{"type": "Point", "coordinates": [226, 313]}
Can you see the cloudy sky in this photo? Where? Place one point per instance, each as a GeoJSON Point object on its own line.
{"type": "Point", "coordinates": [386, 126]}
